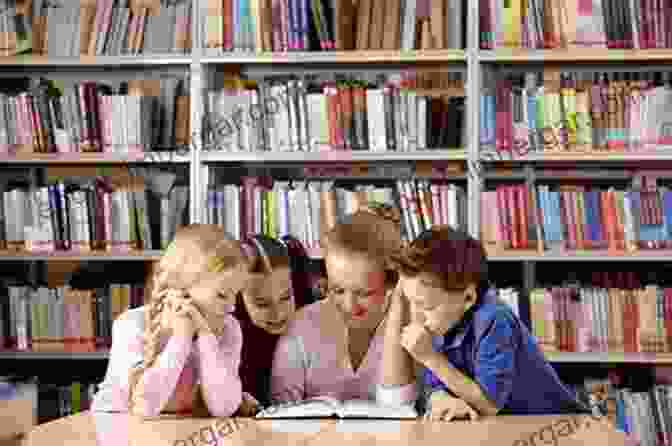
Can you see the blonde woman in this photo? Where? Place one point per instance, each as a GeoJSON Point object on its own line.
{"type": "Point", "coordinates": [180, 352]}
{"type": "Point", "coordinates": [334, 347]}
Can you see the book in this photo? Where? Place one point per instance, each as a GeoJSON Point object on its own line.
{"type": "Point", "coordinates": [328, 407]}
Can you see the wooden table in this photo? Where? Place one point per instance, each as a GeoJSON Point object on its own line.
{"type": "Point", "coordinates": [88, 429]}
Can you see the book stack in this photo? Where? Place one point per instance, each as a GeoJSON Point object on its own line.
{"type": "Point", "coordinates": [575, 23]}
{"type": "Point", "coordinates": [399, 113]}
{"type": "Point", "coordinates": [81, 215]}
{"type": "Point", "coordinates": [94, 117]}
{"type": "Point", "coordinates": [321, 25]}
{"type": "Point", "coordinates": [111, 27]}
{"type": "Point", "coordinates": [63, 319]}
{"type": "Point", "coordinates": [568, 218]}
{"type": "Point", "coordinates": [580, 113]}
{"type": "Point", "coordinates": [307, 210]}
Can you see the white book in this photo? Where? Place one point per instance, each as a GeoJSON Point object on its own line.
{"type": "Point", "coordinates": [375, 116]}
{"type": "Point", "coordinates": [327, 407]}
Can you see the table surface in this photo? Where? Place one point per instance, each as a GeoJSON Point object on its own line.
{"type": "Point", "coordinates": [105, 429]}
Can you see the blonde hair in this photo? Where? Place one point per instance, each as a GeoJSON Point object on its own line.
{"type": "Point", "coordinates": [373, 231]}
{"type": "Point", "coordinates": [196, 249]}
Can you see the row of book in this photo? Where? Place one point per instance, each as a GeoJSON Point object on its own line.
{"type": "Point", "coordinates": [307, 210]}
{"type": "Point", "coordinates": [322, 25]}
{"type": "Point", "coordinates": [594, 319]}
{"type": "Point", "coordinates": [91, 214]}
{"type": "Point", "coordinates": [575, 23]}
{"type": "Point", "coordinates": [63, 318]}
{"type": "Point", "coordinates": [111, 27]}
{"type": "Point", "coordinates": [90, 116]}
{"type": "Point", "coordinates": [578, 112]}
{"type": "Point", "coordinates": [576, 217]}
{"type": "Point", "coordinates": [49, 400]}
{"type": "Point", "coordinates": [348, 115]}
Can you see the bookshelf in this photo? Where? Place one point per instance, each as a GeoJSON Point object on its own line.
{"type": "Point", "coordinates": [204, 68]}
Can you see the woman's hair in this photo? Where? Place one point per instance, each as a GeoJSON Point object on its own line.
{"type": "Point", "coordinates": [453, 256]}
{"type": "Point", "coordinates": [373, 231]}
{"type": "Point", "coordinates": [268, 253]}
{"type": "Point", "coordinates": [196, 249]}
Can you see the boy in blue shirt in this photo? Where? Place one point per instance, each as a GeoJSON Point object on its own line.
{"type": "Point", "coordinates": [479, 358]}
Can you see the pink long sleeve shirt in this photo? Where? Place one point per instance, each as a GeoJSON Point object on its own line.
{"type": "Point", "coordinates": [183, 363]}
{"type": "Point", "coordinates": [312, 359]}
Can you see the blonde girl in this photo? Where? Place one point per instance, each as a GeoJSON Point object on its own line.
{"type": "Point", "coordinates": [180, 352]}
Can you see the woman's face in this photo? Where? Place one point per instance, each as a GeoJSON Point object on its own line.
{"type": "Point", "coordinates": [269, 301]}
{"type": "Point", "coordinates": [357, 287]}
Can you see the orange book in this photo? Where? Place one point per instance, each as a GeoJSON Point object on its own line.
{"type": "Point", "coordinates": [524, 216]}
{"type": "Point", "coordinates": [364, 14]}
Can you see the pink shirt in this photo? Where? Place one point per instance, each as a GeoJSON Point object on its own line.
{"type": "Point", "coordinates": [209, 361]}
{"type": "Point", "coordinates": [312, 360]}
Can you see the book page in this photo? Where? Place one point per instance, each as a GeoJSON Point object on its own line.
{"type": "Point", "coordinates": [323, 406]}
{"type": "Point", "coordinates": [372, 409]}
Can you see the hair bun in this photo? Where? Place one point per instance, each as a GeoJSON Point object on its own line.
{"type": "Point", "coordinates": [382, 210]}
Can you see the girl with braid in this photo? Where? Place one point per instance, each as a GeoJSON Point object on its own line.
{"type": "Point", "coordinates": [180, 352]}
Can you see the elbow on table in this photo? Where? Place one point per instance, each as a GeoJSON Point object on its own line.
{"type": "Point", "coordinates": [227, 407]}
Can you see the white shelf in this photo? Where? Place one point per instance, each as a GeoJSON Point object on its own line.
{"type": "Point", "coordinates": [333, 156]}
{"type": "Point", "coordinates": [338, 57]}
{"type": "Point", "coordinates": [10, 354]}
{"type": "Point", "coordinates": [97, 158]}
{"type": "Point", "coordinates": [96, 61]}
{"type": "Point", "coordinates": [574, 55]}
{"type": "Point", "coordinates": [89, 256]}
{"type": "Point", "coordinates": [659, 155]}
{"type": "Point", "coordinates": [609, 358]}
{"type": "Point", "coordinates": [583, 256]}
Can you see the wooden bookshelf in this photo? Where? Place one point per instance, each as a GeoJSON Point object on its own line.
{"type": "Point", "coordinates": [575, 55]}
{"type": "Point", "coordinates": [95, 61]}
{"type": "Point", "coordinates": [34, 355]}
{"type": "Point", "coordinates": [82, 257]}
{"type": "Point", "coordinates": [94, 158]}
{"type": "Point", "coordinates": [609, 357]}
{"type": "Point", "coordinates": [337, 57]}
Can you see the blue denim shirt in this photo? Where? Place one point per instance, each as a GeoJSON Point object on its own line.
{"type": "Point", "coordinates": [494, 348]}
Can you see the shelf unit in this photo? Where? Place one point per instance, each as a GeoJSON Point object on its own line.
{"type": "Point", "coordinates": [202, 63]}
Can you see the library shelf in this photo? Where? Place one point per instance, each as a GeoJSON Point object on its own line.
{"type": "Point", "coordinates": [333, 156]}
{"type": "Point", "coordinates": [106, 256]}
{"type": "Point", "coordinates": [618, 157]}
{"type": "Point", "coordinates": [330, 57]}
{"type": "Point", "coordinates": [608, 357]}
{"type": "Point", "coordinates": [96, 61]}
{"type": "Point", "coordinates": [574, 55]}
{"type": "Point", "coordinates": [27, 354]}
{"type": "Point", "coordinates": [530, 255]}
{"type": "Point", "coordinates": [94, 158]}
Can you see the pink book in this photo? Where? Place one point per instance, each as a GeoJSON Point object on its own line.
{"type": "Point", "coordinates": [436, 204]}
{"type": "Point", "coordinates": [284, 25]}
{"type": "Point", "coordinates": [444, 204]}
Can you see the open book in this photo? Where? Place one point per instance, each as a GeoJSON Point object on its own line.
{"type": "Point", "coordinates": [327, 407]}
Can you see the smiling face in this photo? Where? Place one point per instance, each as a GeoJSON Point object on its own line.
{"type": "Point", "coordinates": [269, 301]}
{"type": "Point", "coordinates": [440, 309]}
{"type": "Point", "coordinates": [357, 288]}
{"type": "Point", "coordinates": [215, 293]}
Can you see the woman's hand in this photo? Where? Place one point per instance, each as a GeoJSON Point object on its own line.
{"type": "Point", "coordinates": [445, 407]}
{"type": "Point", "coordinates": [249, 406]}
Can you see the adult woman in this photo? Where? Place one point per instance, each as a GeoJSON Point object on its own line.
{"type": "Point", "coordinates": [180, 352]}
{"type": "Point", "coordinates": [334, 347]}
{"type": "Point", "coordinates": [264, 308]}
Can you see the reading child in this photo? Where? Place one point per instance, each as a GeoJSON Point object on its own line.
{"type": "Point", "coordinates": [181, 350]}
{"type": "Point", "coordinates": [276, 289]}
{"type": "Point", "coordinates": [479, 358]}
{"type": "Point", "coordinates": [334, 347]}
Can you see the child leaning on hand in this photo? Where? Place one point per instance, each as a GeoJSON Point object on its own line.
{"type": "Point", "coordinates": [479, 358]}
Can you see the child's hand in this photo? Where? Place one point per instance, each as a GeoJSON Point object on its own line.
{"type": "Point", "coordinates": [445, 407]}
{"type": "Point", "coordinates": [249, 406]}
{"type": "Point", "coordinates": [201, 325]}
{"type": "Point", "coordinates": [417, 341]}
{"type": "Point", "coordinates": [180, 322]}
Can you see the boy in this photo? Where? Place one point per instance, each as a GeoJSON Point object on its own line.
{"type": "Point", "coordinates": [479, 358]}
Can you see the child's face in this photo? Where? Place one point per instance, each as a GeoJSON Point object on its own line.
{"type": "Point", "coordinates": [357, 287]}
{"type": "Point", "coordinates": [441, 309]}
{"type": "Point", "coordinates": [269, 301]}
{"type": "Point", "coordinates": [215, 293]}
